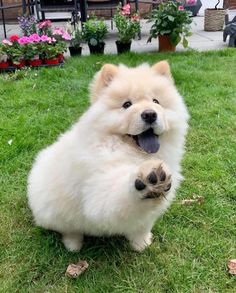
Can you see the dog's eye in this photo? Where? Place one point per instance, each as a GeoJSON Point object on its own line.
{"type": "Point", "coordinates": [156, 101]}
{"type": "Point", "coordinates": [127, 104]}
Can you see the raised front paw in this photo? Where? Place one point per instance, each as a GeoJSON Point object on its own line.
{"type": "Point", "coordinates": [153, 180]}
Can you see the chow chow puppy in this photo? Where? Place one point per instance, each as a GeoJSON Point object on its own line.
{"type": "Point", "coordinates": [117, 169]}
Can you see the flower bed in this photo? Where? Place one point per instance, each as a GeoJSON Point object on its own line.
{"type": "Point", "coordinates": [41, 45]}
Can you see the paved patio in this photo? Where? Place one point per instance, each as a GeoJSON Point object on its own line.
{"type": "Point", "coordinates": [200, 40]}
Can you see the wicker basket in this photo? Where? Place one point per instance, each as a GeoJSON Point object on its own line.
{"type": "Point", "coordinates": [214, 19]}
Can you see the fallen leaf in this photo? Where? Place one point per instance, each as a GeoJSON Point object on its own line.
{"type": "Point", "coordinates": [74, 270]}
{"type": "Point", "coordinates": [10, 141]}
{"type": "Point", "coordinates": [232, 266]}
{"type": "Point", "coordinates": [196, 200]}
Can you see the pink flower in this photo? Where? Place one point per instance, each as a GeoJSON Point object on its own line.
{"type": "Point", "coordinates": [181, 8]}
{"type": "Point", "coordinates": [44, 38]}
{"type": "Point", "coordinates": [135, 18]}
{"type": "Point", "coordinates": [6, 42]}
{"type": "Point", "coordinates": [51, 40]}
{"type": "Point", "coordinates": [191, 2]}
{"type": "Point", "coordinates": [58, 31]}
{"type": "Point", "coordinates": [126, 9]}
{"type": "Point", "coordinates": [34, 38]}
{"type": "Point", "coordinates": [23, 41]}
{"type": "Point", "coordinates": [66, 36]}
{"type": "Point", "coordinates": [45, 24]}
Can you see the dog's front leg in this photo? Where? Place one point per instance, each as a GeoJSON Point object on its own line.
{"type": "Point", "coordinates": [151, 185]}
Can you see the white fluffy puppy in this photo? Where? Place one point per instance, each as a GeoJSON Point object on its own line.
{"type": "Point", "coordinates": [117, 169]}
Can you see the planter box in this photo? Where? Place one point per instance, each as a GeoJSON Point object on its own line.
{"type": "Point", "coordinates": [12, 68]}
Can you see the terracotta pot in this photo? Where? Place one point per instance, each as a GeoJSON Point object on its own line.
{"type": "Point", "coordinates": [123, 47]}
{"type": "Point", "coordinates": [60, 57]}
{"type": "Point", "coordinates": [53, 61]}
{"type": "Point", "coordinates": [98, 49]}
{"type": "Point", "coordinates": [19, 65]}
{"type": "Point", "coordinates": [75, 51]}
{"type": "Point", "coordinates": [4, 65]}
{"type": "Point", "coordinates": [165, 44]}
{"type": "Point", "coordinates": [35, 63]}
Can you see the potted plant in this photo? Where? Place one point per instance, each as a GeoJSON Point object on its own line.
{"type": "Point", "coordinates": [50, 53]}
{"type": "Point", "coordinates": [3, 57]}
{"type": "Point", "coordinates": [128, 27]}
{"type": "Point", "coordinates": [15, 51]}
{"type": "Point", "coordinates": [27, 23]}
{"type": "Point", "coordinates": [193, 5]}
{"type": "Point", "coordinates": [62, 37]}
{"type": "Point", "coordinates": [171, 25]}
{"type": "Point", "coordinates": [75, 43]}
{"type": "Point", "coordinates": [94, 33]}
{"type": "Point", "coordinates": [31, 46]}
{"type": "Point", "coordinates": [214, 18]}
{"type": "Point", "coordinates": [33, 54]}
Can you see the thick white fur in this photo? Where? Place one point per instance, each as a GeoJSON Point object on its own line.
{"type": "Point", "coordinates": [84, 182]}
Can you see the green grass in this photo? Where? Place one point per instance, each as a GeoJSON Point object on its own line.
{"type": "Point", "coordinates": [191, 245]}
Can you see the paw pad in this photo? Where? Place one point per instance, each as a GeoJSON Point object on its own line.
{"type": "Point", "coordinates": [139, 185]}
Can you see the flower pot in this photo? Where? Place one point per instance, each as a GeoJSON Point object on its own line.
{"type": "Point", "coordinates": [194, 8]}
{"type": "Point", "coordinates": [60, 57]}
{"type": "Point", "coordinates": [214, 19]}
{"type": "Point", "coordinates": [53, 61]}
{"type": "Point", "coordinates": [35, 63]}
{"type": "Point", "coordinates": [123, 47]}
{"type": "Point", "coordinates": [19, 64]}
{"type": "Point", "coordinates": [4, 65]}
{"type": "Point", "coordinates": [75, 51]}
{"type": "Point", "coordinates": [165, 44]}
{"type": "Point", "coordinates": [98, 49]}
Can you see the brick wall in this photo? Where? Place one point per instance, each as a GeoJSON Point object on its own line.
{"type": "Point", "coordinates": [11, 14]}
{"type": "Point", "coordinates": [230, 4]}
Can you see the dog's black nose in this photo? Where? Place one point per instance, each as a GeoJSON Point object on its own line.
{"type": "Point", "coordinates": [149, 116]}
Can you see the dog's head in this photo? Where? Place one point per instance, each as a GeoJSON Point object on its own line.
{"type": "Point", "coordinates": [141, 103]}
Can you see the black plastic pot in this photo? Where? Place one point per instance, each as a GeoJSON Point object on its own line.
{"type": "Point", "coordinates": [123, 47]}
{"type": "Point", "coordinates": [98, 49]}
{"type": "Point", "coordinates": [75, 51]}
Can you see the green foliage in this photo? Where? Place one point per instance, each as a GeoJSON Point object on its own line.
{"type": "Point", "coordinates": [191, 243]}
{"type": "Point", "coordinates": [128, 27]}
{"type": "Point", "coordinates": [51, 51]}
{"type": "Point", "coordinates": [95, 31]}
{"type": "Point", "coordinates": [16, 53]}
{"type": "Point", "coordinates": [3, 53]}
{"type": "Point", "coordinates": [76, 35]}
{"type": "Point", "coordinates": [170, 20]}
{"type": "Point", "coordinates": [32, 51]}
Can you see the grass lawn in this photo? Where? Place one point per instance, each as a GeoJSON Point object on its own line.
{"type": "Point", "coordinates": [191, 243]}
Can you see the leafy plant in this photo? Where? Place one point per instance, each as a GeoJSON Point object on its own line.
{"type": "Point", "coordinates": [76, 37]}
{"type": "Point", "coordinates": [95, 31]}
{"type": "Point", "coordinates": [50, 51]}
{"type": "Point", "coordinates": [33, 51]}
{"type": "Point", "coordinates": [3, 53]}
{"type": "Point", "coordinates": [27, 23]}
{"type": "Point", "coordinates": [127, 26]}
{"type": "Point", "coordinates": [171, 19]}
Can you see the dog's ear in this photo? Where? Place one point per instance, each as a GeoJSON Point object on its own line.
{"type": "Point", "coordinates": [162, 68]}
{"type": "Point", "coordinates": [102, 79]}
{"type": "Point", "coordinates": [108, 72]}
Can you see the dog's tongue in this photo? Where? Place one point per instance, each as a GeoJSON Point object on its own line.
{"type": "Point", "coordinates": [148, 141]}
